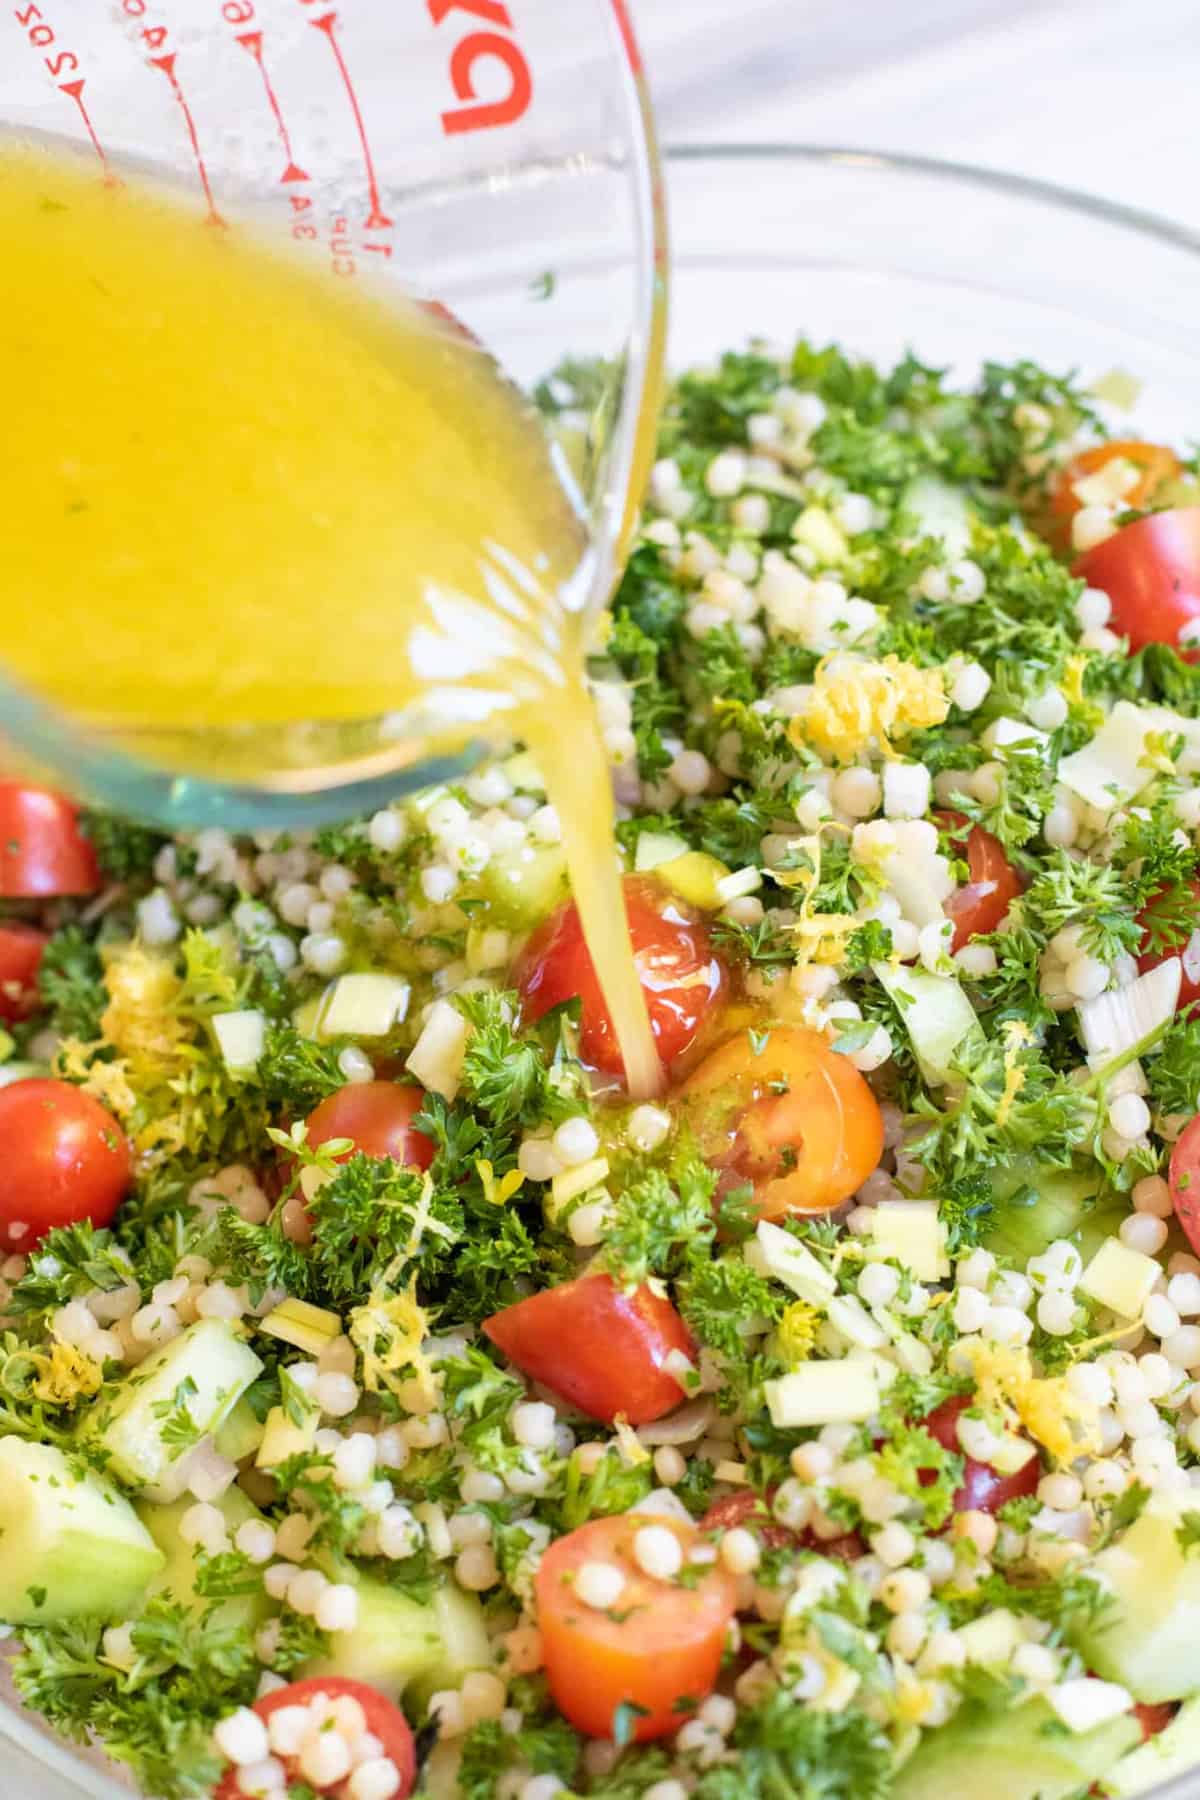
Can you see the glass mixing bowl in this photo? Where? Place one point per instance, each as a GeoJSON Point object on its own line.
{"type": "Point", "coordinates": [882, 253]}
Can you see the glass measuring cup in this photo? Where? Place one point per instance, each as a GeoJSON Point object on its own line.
{"type": "Point", "coordinates": [476, 154]}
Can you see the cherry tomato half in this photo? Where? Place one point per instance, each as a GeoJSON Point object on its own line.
{"type": "Point", "coordinates": [21, 949]}
{"type": "Point", "coordinates": [992, 883]}
{"type": "Point", "coordinates": [1184, 1177]}
{"type": "Point", "coordinates": [680, 974]}
{"type": "Point", "coordinates": [660, 1645]}
{"type": "Point", "coordinates": [63, 1158]}
{"type": "Point", "coordinates": [1188, 953]}
{"type": "Point", "coordinates": [1156, 466]}
{"type": "Point", "coordinates": [383, 1720]}
{"type": "Point", "coordinates": [783, 1111]}
{"type": "Point", "coordinates": [378, 1116]}
{"type": "Point", "coordinates": [752, 1513]}
{"type": "Point", "coordinates": [1154, 1716]}
{"type": "Point", "coordinates": [983, 1489]}
{"type": "Point", "coordinates": [1150, 570]}
{"type": "Point", "coordinates": [601, 1349]}
{"type": "Point", "coordinates": [43, 853]}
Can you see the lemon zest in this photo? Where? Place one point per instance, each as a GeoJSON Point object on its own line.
{"type": "Point", "coordinates": [856, 703]}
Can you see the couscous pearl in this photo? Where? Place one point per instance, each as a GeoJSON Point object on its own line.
{"type": "Point", "coordinates": [1152, 1195]}
{"type": "Point", "coordinates": [337, 1607]}
{"type": "Point", "coordinates": [242, 1737]}
{"type": "Point", "coordinates": [599, 1585]}
{"type": "Point", "coordinates": [305, 1590]}
{"type": "Point", "coordinates": [965, 581]}
{"type": "Point", "coordinates": [905, 1591]}
{"type": "Point", "coordinates": [336, 1394]}
{"type": "Point", "coordinates": [1086, 976]}
{"type": "Point", "coordinates": [1182, 1347]}
{"type": "Point", "coordinates": [533, 1424]}
{"type": "Point", "coordinates": [1159, 1316]}
{"type": "Point", "coordinates": [976, 960]}
{"type": "Point", "coordinates": [1060, 827]}
{"type": "Point", "coordinates": [740, 1552]}
{"type": "Point", "coordinates": [575, 1142]}
{"type": "Point", "coordinates": [1104, 1479]}
{"type": "Point", "coordinates": [857, 792]}
{"type": "Point", "coordinates": [1183, 1291]}
{"type": "Point", "coordinates": [894, 1545]}
{"type": "Point", "coordinates": [325, 1758]}
{"type": "Point", "coordinates": [658, 1552]}
{"type": "Point", "coordinates": [812, 1462]}
{"type": "Point", "coordinates": [1056, 1313]}
{"type": "Point", "coordinates": [256, 1540]}
{"type": "Point", "coordinates": [970, 688]}
{"type": "Point", "coordinates": [1144, 1232]}
{"type": "Point", "coordinates": [376, 1779]}
{"type": "Point", "coordinates": [878, 1284]}
{"type": "Point", "coordinates": [1047, 710]}
{"type": "Point", "coordinates": [476, 1569]}
{"type": "Point", "coordinates": [1060, 1491]}
{"type": "Point", "coordinates": [1128, 1114]}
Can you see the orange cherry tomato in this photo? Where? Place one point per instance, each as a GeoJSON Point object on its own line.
{"type": "Point", "coordinates": [1183, 1174]}
{"type": "Point", "coordinates": [783, 1111]}
{"type": "Point", "coordinates": [992, 884]}
{"type": "Point", "coordinates": [658, 1648]}
{"type": "Point", "coordinates": [1156, 465]}
{"type": "Point", "coordinates": [384, 1721]}
{"type": "Point", "coordinates": [681, 976]}
{"type": "Point", "coordinates": [21, 949]}
{"type": "Point", "coordinates": [378, 1116]}
{"type": "Point", "coordinates": [1150, 570]}
{"type": "Point", "coordinates": [601, 1349]}
{"type": "Point", "coordinates": [64, 1159]}
{"type": "Point", "coordinates": [43, 853]}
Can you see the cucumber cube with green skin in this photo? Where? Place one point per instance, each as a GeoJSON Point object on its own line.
{"type": "Point", "coordinates": [70, 1544]}
{"type": "Point", "coordinates": [1015, 1753]}
{"type": "Point", "coordinates": [522, 886]}
{"type": "Point", "coordinates": [1033, 1207]}
{"type": "Point", "coordinates": [1149, 1639]}
{"type": "Point", "coordinates": [177, 1577]}
{"type": "Point", "coordinates": [240, 1434]}
{"type": "Point", "coordinates": [181, 1393]}
{"type": "Point", "coordinates": [399, 1641]}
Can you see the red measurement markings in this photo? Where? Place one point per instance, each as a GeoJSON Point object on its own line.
{"type": "Point", "coordinates": [156, 38]}
{"type": "Point", "coordinates": [41, 37]}
{"type": "Point", "coordinates": [483, 46]}
{"type": "Point", "coordinates": [377, 219]}
{"type": "Point", "coordinates": [241, 12]}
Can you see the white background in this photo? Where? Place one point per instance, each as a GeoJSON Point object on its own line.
{"type": "Point", "coordinates": [1098, 94]}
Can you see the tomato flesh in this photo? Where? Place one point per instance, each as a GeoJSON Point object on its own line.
{"type": "Point", "coordinates": [21, 949]}
{"type": "Point", "coordinates": [982, 1489]}
{"type": "Point", "coordinates": [992, 883]}
{"type": "Point", "coordinates": [383, 1720]}
{"type": "Point", "coordinates": [598, 1347]}
{"type": "Point", "coordinates": [784, 1112]}
{"type": "Point", "coordinates": [1156, 466]}
{"type": "Point", "coordinates": [1188, 953]}
{"type": "Point", "coordinates": [1183, 1174]}
{"type": "Point", "coordinates": [1154, 1716]}
{"type": "Point", "coordinates": [1150, 570]}
{"type": "Point", "coordinates": [43, 853]}
{"type": "Point", "coordinates": [751, 1512]}
{"type": "Point", "coordinates": [659, 1646]}
{"type": "Point", "coordinates": [378, 1116]}
{"type": "Point", "coordinates": [681, 976]}
{"type": "Point", "coordinates": [65, 1158]}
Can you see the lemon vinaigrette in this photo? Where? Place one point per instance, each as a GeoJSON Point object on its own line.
{"type": "Point", "coordinates": [251, 506]}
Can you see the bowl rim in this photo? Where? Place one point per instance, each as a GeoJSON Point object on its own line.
{"type": "Point", "coordinates": [20, 1726]}
{"type": "Point", "coordinates": [1056, 194]}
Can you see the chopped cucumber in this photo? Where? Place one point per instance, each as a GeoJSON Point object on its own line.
{"type": "Point", "coordinates": [1174, 1751]}
{"type": "Point", "coordinates": [1148, 1641]}
{"type": "Point", "coordinates": [177, 1576]}
{"type": "Point", "coordinates": [1033, 1207]}
{"type": "Point", "coordinates": [523, 885]}
{"type": "Point", "coordinates": [1119, 762]}
{"type": "Point", "coordinates": [282, 1437]}
{"type": "Point", "coordinates": [399, 1640]}
{"type": "Point", "coordinates": [910, 1233]}
{"type": "Point", "coordinates": [177, 1396]}
{"type": "Point", "coordinates": [656, 847]}
{"type": "Point", "coordinates": [823, 1393]}
{"type": "Point", "coordinates": [363, 1005]}
{"type": "Point", "coordinates": [696, 878]}
{"type": "Point", "coordinates": [1117, 1024]}
{"type": "Point", "coordinates": [937, 1015]}
{"type": "Point", "coordinates": [307, 1327]}
{"type": "Point", "coordinates": [240, 1434]}
{"type": "Point", "coordinates": [1018, 1753]}
{"type": "Point", "coordinates": [940, 511]}
{"type": "Point", "coordinates": [240, 1038]}
{"type": "Point", "coordinates": [72, 1544]}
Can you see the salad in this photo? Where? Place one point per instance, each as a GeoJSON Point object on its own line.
{"type": "Point", "coordinates": [388, 1405]}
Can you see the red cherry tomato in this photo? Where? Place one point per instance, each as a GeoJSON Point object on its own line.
{"type": "Point", "coordinates": [1184, 1177]}
{"type": "Point", "coordinates": [992, 883]}
{"type": "Point", "coordinates": [1150, 570]}
{"type": "Point", "coordinates": [21, 949]}
{"type": "Point", "coordinates": [43, 853]}
{"type": "Point", "coordinates": [983, 1489]}
{"type": "Point", "coordinates": [1188, 953]}
{"type": "Point", "coordinates": [789, 1115]}
{"type": "Point", "coordinates": [660, 1645]}
{"type": "Point", "coordinates": [63, 1158]}
{"type": "Point", "coordinates": [383, 1720]}
{"type": "Point", "coordinates": [681, 976]}
{"type": "Point", "coordinates": [752, 1512]}
{"type": "Point", "coordinates": [1156, 466]}
{"type": "Point", "coordinates": [378, 1116]}
{"type": "Point", "coordinates": [601, 1349]}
